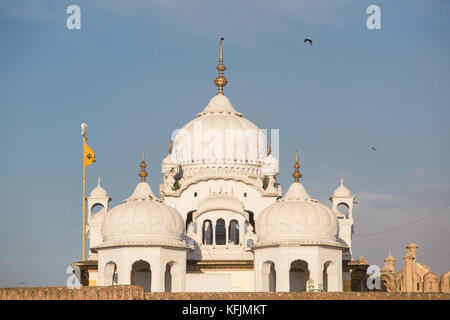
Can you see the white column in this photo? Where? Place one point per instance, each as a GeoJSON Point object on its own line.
{"type": "Point", "coordinates": [124, 272]}
{"type": "Point", "coordinates": [100, 272]}
{"type": "Point", "coordinates": [257, 273]}
{"type": "Point", "coordinates": [315, 272]}
{"type": "Point", "coordinates": [213, 229]}
{"type": "Point", "coordinates": [158, 272]}
{"type": "Point", "coordinates": [241, 232]}
{"type": "Point", "coordinates": [339, 277]}
{"type": "Point", "coordinates": [282, 268]}
{"type": "Point", "coordinates": [227, 229]}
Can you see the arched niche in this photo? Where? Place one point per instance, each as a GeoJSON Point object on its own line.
{"type": "Point", "coordinates": [269, 277]}
{"type": "Point", "coordinates": [141, 274]}
{"type": "Point", "coordinates": [330, 277]}
{"type": "Point", "coordinates": [298, 275]}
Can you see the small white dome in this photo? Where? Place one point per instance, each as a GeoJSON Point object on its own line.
{"type": "Point", "coordinates": [342, 191]}
{"type": "Point", "coordinates": [98, 191]}
{"type": "Point", "coordinates": [270, 166]}
{"type": "Point", "coordinates": [220, 202]}
{"type": "Point", "coordinates": [219, 104]}
{"type": "Point", "coordinates": [143, 220]}
{"type": "Point", "coordinates": [297, 218]}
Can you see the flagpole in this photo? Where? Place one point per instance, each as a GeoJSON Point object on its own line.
{"type": "Point", "coordinates": [84, 203]}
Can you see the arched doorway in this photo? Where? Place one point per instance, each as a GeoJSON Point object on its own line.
{"type": "Point", "coordinates": [330, 280]}
{"type": "Point", "coordinates": [298, 276]}
{"type": "Point", "coordinates": [110, 274]}
{"type": "Point", "coordinates": [141, 274]}
{"type": "Point", "coordinates": [168, 277]}
{"type": "Point", "coordinates": [269, 277]}
{"type": "Point", "coordinates": [207, 233]}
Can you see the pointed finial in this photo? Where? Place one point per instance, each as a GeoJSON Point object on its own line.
{"type": "Point", "coordinates": [99, 181]}
{"type": "Point", "coordinates": [143, 173]}
{"type": "Point", "coordinates": [342, 181]}
{"type": "Point", "coordinates": [170, 146]}
{"type": "Point", "coordinates": [221, 81]}
{"type": "Point", "coordinates": [270, 147]}
{"type": "Point", "coordinates": [297, 175]}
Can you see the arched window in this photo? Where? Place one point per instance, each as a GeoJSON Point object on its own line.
{"type": "Point", "coordinates": [207, 235]}
{"type": "Point", "coordinates": [96, 208]}
{"type": "Point", "coordinates": [220, 232]}
{"type": "Point", "coordinates": [330, 280]}
{"type": "Point", "coordinates": [269, 277]}
{"type": "Point", "coordinates": [189, 218]}
{"type": "Point", "coordinates": [233, 232]}
{"type": "Point", "coordinates": [343, 210]}
{"type": "Point", "coordinates": [251, 219]}
{"type": "Point", "coordinates": [110, 274]}
{"type": "Point", "coordinates": [141, 274]}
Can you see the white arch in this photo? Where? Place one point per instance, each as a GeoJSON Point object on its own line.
{"type": "Point", "coordinates": [110, 274]}
{"type": "Point", "coordinates": [299, 275]}
{"type": "Point", "coordinates": [269, 276]}
{"type": "Point", "coordinates": [330, 277]}
{"type": "Point", "coordinates": [141, 274]}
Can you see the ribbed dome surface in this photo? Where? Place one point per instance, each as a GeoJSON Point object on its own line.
{"type": "Point", "coordinates": [342, 191]}
{"type": "Point", "coordinates": [220, 202]}
{"type": "Point", "coordinates": [297, 218]}
{"type": "Point", "coordinates": [143, 219]}
{"type": "Point", "coordinates": [219, 134]}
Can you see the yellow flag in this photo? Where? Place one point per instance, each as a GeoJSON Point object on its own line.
{"type": "Point", "coordinates": [88, 154]}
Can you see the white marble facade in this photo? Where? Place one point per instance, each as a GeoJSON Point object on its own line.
{"type": "Point", "coordinates": [220, 206]}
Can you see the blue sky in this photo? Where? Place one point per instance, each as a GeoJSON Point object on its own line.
{"type": "Point", "coordinates": [139, 69]}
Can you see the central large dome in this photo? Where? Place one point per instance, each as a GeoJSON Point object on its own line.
{"type": "Point", "coordinates": [219, 135]}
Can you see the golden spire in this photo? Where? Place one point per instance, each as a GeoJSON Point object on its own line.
{"type": "Point", "coordinates": [270, 147]}
{"type": "Point", "coordinates": [297, 175]}
{"type": "Point", "coordinates": [170, 146]}
{"type": "Point", "coordinates": [143, 174]}
{"type": "Point", "coordinates": [221, 81]}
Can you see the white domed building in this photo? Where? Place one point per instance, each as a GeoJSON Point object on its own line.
{"type": "Point", "coordinates": [221, 223]}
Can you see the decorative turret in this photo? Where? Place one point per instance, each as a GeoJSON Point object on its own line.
{"type": "Point", "coordinates": [342, 196]}
{"type": "Point", "coordinates": [97, 198]}
{"type": "Point", "coordinates": [389, 263]}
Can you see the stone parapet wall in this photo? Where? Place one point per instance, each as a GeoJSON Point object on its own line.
{"type": "Point", "coordinates": [295, 296]}
{"type": "Point", "coordinates": [64, 293]}
{"type": "Point", "coordinates": [137, 293]}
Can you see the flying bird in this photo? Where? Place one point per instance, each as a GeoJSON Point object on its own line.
{"type": "Point", "coordinates": [308, 40]}
{"type": "Point", "coordinates": [374, 149]}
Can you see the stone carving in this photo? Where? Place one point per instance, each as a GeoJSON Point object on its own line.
{"type": "Point", "coordinates": [413, 277]}
{"type": "Point", "coordinates": [430, 282]}
{"type": "Point", "coordinates": [444, 285]}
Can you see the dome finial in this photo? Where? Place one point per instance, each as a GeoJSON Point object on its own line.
{"type": "Point", "coordinates": [143, 173]}
{"type": "Point", "coordinates": [221, 81]}
{"type": "Point", "coordinates": [99, 181]}
{"type": "Point", "coordinates": [342, 181]}
{"type": "Point", "coordinates": [270, 147]}
{"type": "Point", "coordinates": [170, 146]}
{"type": "Point", "coordinates": [297, 175]}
